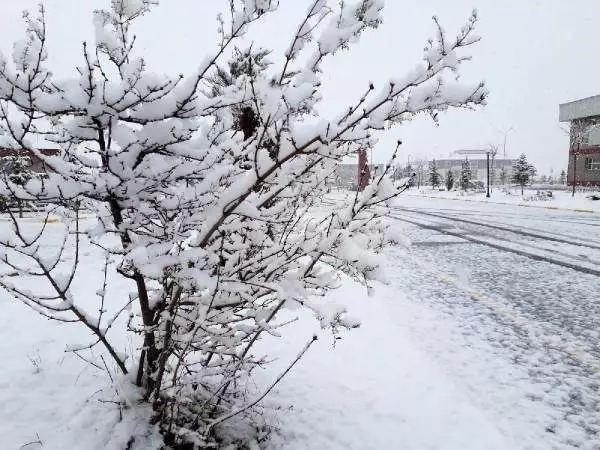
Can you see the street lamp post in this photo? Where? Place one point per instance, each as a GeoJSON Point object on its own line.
{"type": "Point", "coordinates": [575, 168]}
{"type": "Point", "coordinates": [505, 133]}
{"type": "Point", "coordinates": [488, 174]}
{"type": "Point", "coordinates": [488, 153]}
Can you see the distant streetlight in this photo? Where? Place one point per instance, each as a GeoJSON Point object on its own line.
{"type": "Point", "coordinates": [575, 168]}
{"type": "Point", "coordinates": [505, 133]}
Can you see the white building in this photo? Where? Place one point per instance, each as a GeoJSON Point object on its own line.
{"type": "Point", "coordinates": [478, 167]}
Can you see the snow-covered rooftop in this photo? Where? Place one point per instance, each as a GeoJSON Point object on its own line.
{"type": "Point", "coordinates": [579, 109]}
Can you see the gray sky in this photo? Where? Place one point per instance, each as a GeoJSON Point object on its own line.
{"type": "Point", "coordinates": [534, 55]}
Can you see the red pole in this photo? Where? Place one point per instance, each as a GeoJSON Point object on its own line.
{"type": "Point", "coordinates": [364, 174]}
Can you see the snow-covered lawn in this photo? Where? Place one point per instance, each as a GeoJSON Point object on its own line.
{"type": "Point", "coordinates": [48, 397]}
{"type": "Point", "coordinates": [560, 198]}
{"type": "Point", "coordinates": [377, 388]}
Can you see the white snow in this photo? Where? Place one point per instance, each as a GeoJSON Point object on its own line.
{"type": "Point", "coordinates": [51, 396]}
{"type": "Point", "coordinates": [435, 364]}
{"type": "Point", "coordinates": [378, 388]}
{"type": "Point", "coordinates": [561, 199]}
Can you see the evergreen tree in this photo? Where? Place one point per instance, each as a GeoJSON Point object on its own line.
{"type": "Point", "coordinates": [532, 173]}
{"type": "Point", "coordinates": [18, 169]}
{"type": "Point", "coordinates": [562, 179]}
{"type": "Point", "coordinates": [409, 173]}
{"type": "Point", "coordinates": [244, 63]}
{"type": "Point", "coordinates": [434, 175]}
{"type": "Point", "coordinates": [523, 172]}
{"type": "Point", "coordinates": [465, 174]}
{"type": "Point", "coordinates": [503, 175]}
{"type": "Point", "coordinates": [449, 180]}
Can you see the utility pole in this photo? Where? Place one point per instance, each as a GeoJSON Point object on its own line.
{"type": "Point", "coordinates": [575, 168]}
{"type": "Point", "coordinates": [488, 174]}
{"type": "Point", "coordinates": [505, 133]}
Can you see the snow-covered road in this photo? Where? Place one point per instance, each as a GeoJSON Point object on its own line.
{"type": "Point", "coordinates": [525, 281]}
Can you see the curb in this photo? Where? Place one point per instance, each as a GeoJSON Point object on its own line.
{"type": "Point", "coordinates": [555, 208]}
{"type": "Point", "coordinates": [584, 211]}
{"type": "Point", "coordinates": [50, 220]}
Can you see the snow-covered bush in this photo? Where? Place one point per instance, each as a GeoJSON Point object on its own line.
{"type": "Point", "coordinates": [203, 192]}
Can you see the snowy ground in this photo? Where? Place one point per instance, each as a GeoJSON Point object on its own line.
{"type": "Point", "coordinates": [485, 338]}
{"type": "Point", "coordinates": [561, 199]}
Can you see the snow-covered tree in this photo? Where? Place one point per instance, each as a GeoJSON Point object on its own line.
{"type": "Point", "coordinates": [522, 172]}
{"type": "Point", "coordinates": [397, 172]}
{"type": "Point", "coordinates": [203, 186]}
{"type": "Point", "coordinates": [552, 179]}
{"type": "Point", "coordinates": [449, 180]}
{"type": "Point", "coordinates": [409, 173]}
{"type": "Point", "coordinates": [17, 168]}
{"type": "Point", "coordinates": [503, 176]}
{"type": "Point", "coordinates": [434, 175]}
{"type": "Point", "coordinates": [532, 172]}
{"type": "Point", "coordinates": [465, 174]}
{"type": "Point", "coordinates": [562, 179]}
{"type": "Point", "coordinates": [419, 166]}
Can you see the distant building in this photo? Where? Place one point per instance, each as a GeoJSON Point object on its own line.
{"type": "Point", "coordinates": [346, 175]}
{"type": "Point", "coordinates": [584, 143]}
{"type": "Point", "coordinates": [478, 167]}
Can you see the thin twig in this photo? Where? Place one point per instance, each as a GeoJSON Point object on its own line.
{"type": "Point", "coordinates": [269, 389]}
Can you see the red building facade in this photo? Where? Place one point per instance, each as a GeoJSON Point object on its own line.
{"type": "Point", "coordinates": [583, 117]}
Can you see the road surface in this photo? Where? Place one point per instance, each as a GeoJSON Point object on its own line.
{"type": "Point", "coordinates": [522, 286]}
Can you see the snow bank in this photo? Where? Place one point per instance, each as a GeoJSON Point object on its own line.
{"type": "Point", "coordinates": [560, 199]}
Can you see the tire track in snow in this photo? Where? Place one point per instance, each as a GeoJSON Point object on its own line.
{"type": "Point", "coordinates": [546, 237]}
{"type": "Point", "coordinates": [535, 256]}
{"type": "Point", "coordinates": [557, 361]}
{"type": "Point", "coordinates": [547, 332]}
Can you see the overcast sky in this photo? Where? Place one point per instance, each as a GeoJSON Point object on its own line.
{"type": "Point", "coordinates": [534, 54]}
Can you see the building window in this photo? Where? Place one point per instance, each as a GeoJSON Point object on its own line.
{"type": "Point", "coordinates": [585, 137]}
{"type": "Point", "coordinates": [592, 163]}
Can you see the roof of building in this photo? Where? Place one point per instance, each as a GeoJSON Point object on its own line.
{"type": "Point", "coordinates": [579, 109]}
